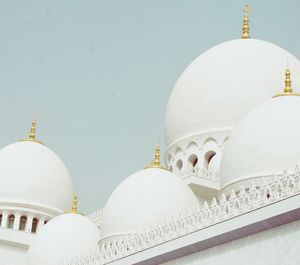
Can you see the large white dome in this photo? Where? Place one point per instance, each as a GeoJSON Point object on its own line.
{"type": "Point", "coordinates": [150, 195]}
{"type": "Point", "coordinates": [32, 174]}
{"type": "Point", "coordinates": [266, 142]}
{"type": "Point", "coordinates": [223, 84]}
{"type": "Point", "coordinates": [62, 239]}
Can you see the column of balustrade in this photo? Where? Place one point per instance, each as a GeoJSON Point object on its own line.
{"type": "Point", "coordinates": [17, 221]}
{"type": "Point", "coordinates": [41, 221]}
{"type": "Point", "coordinates": [29, 224]}
{"type": "Point", "coordinates": [4, 219]}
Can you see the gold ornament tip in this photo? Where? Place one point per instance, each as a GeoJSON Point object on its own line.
{"type": "Point", "coordinates": [75, 204]}
{"type": "Point", "coordinates": [247, 8]}
{"type": "Point", "coordinates": [32, 134]}
{"type": "Point", "coordinates": [156, 162]}
{"type": "Point", "coordinates": [288, 90]}
{"type": "Point", "coordinates": [74, 209]}
{"type": "Point", "coordinates": [246, 28]}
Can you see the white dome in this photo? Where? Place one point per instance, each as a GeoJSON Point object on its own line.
{"type": "Point", "coordinates": [223, 84]}
{"type": "Point", "coordinates": [267, 141]}
{"type": "Point", "coordinates": [31, 173]}
{"type": "Point", "coordinates": [150, 195]}
{"type": "Point", "coordinates": [65, 237]}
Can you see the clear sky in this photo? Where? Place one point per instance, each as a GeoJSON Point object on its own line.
{"type": "Point", "coordinates": [97, 74]}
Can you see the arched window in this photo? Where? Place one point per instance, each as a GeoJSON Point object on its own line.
{"type": "Point", "coordinates": [179, 164]}
{"type": "Point", "coordinates": [34, 225]}
{"type": "Point", "coordinates": [193, 160]}
{"type": "Point", "coordinates": [23, 221]}
{"type": "Point", "coordinates": [11, 221]}
{"type": "Point", "coordinates": [0, 219]}
{"type": "Point", "coordinates": [208, 156]}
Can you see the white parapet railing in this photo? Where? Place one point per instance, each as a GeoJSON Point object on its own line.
{"type": "Point", "coordinates": [96, 217]}
{"type": "Point", "coordinates": [92, 258]}
{"type": "Point", "coordinates": [270, 190]}
{"type": "Point", "coordinates": [196, 171]}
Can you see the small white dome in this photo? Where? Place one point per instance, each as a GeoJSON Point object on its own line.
{"type": "Point", "coordinates": [223, 84]}
{"type": "Point", "coordinates": [266, 142]}
{"type": "Point", "coordinates": [150, 195]}
{"type": "Point", "coordinates": [31, 173]}
{"type": "Point", "coordinates": [63, 238]}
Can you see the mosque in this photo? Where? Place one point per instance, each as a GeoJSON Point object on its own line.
{"type": "Point", "coordinates": [229, 192]}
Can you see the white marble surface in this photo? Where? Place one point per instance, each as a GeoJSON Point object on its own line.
{"type": "Point", "coordinates": [12, 255]}
{"type": "Point", "coordinates": [272, 247]}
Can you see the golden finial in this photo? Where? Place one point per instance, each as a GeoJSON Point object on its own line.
{"type": "Point", "coordinates": [75, 204]}
{"type": "Point", "coordinates": [288, 90]}
{"type": "Point", "coordinates": [74, 208]}
{"type": "Point", "coordinates": [288, 82]}
{"type": "Point", "coordinates": [156, 162]}
{"type": "Point", "coordinates": [32, 134]}
{"type": "Point", "coordinates": [246, 29]}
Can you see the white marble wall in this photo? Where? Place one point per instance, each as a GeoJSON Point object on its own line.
{"type": "Point", "coordinates": [12, 255]}
{"type": "Point", "coordinates": [277, 246]}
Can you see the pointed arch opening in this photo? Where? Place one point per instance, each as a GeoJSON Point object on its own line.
{"type": "Point", "coordinates": [179, 164]}
{"type": "Point", "coordinates": [11, 221]}
{"type": "Point", "coordinates": [208, 157]}
{"type": "Point", "coordinates": [23, 221]}
{"type": "Point", "coordinates": [34, 225]}
{"type": "Point", "coordinates": [193, 160]}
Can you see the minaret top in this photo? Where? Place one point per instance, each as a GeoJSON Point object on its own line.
{"type": "Point", "coordinates": [156, 162]}
{"type": "Point", "coordinates": [32, 134]}
{"type": "Point", "coordinates": [288, 82]}
{"type": "Point", "coordinates": [75, 204]}
{"type": "Point", "coordinates": [74, 208]}
{"type": "Point", "coordinates": [288, 90]}
{"type": "Point", "coordinates": [246, 28]}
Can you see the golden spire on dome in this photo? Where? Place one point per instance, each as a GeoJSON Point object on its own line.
{"type": "Point", "coordinates": [75, 204]}
{"type": "Point", "coordinates": [288, 82]}
{"type": "Point", "coordinates": [288, 90]}
{"type": "Point", "coordinates": [74, 208]}
{"type": "Point", "coordinates": [246, 28]}
{"type": "Point", "coordinates": [156, 162]}
{"type": "Point", "coordinates": [32, 134]}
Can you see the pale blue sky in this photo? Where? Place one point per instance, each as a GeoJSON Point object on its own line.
{"type": "Point", "coordinates": [98, 74]}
